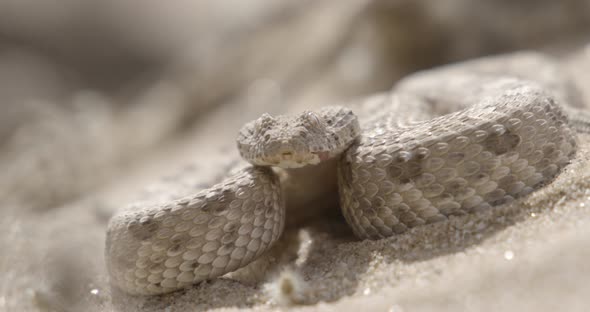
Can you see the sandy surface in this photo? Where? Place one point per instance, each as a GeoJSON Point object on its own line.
{"type": "Point", "coordinates": [529, 255]}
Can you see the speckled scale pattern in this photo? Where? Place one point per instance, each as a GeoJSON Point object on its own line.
{"type": "Point", "coordinates": [507, 144]}
{"type": "Point", "coordinates": [159, 249]}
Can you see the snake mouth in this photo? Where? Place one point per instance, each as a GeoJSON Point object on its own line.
{"type": "Point", "coordinates": [290, 160]}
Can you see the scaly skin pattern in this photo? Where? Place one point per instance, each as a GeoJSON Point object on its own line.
{"type": "Point", "coordinates": [444, 142]}
{"type": "Point", "coordinates": [159, 249]}
{"type": "Point", "coordinates": [513, 139]}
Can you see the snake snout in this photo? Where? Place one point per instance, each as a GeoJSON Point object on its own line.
{"type": "Point", "coordinates": [290, 148]}
{"type": "Point", "coordinates": [286, 156]}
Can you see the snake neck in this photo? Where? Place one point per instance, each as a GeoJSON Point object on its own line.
{"type": "Point", "coordinates": [310, 191]}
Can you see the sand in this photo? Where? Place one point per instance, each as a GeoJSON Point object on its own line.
{"type": "Point", "coordinates": [529, 255]}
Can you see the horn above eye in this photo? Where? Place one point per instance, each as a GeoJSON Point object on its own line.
{"type": "Point", "coordinates": [266, 119]}
{"type": "Point", "coordinates": [310, 118]}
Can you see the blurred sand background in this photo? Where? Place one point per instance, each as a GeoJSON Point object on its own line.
{"type": "Point", "coordinates": [103, 103]}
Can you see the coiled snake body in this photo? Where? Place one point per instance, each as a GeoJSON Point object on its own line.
{"type": "Point", "coordinates": [445, 142]}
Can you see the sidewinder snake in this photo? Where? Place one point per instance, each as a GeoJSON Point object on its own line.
{"type": "Point", "coordinates": [444, 142]}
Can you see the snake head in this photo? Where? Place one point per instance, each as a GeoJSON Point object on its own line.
{"type": "Point", "coordinates": [295, 141]}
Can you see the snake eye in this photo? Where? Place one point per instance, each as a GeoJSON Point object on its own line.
{"type": "Point", "coordinates": [311, 119]}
